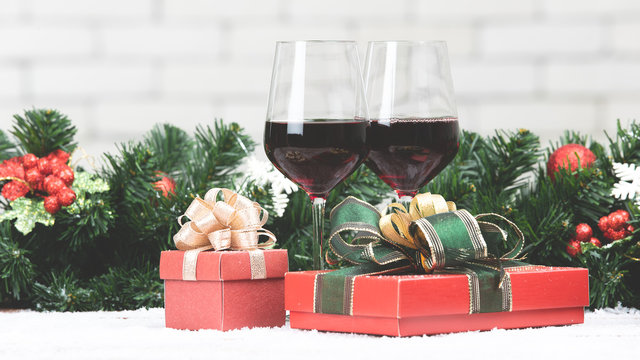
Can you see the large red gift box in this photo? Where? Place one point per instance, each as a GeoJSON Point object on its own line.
{"type": "Point", "coordinates": [224, 296]}
{"type": "Point", "coordinates": [407, 305]}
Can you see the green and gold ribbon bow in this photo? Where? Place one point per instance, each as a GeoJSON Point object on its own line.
{"type": "Point", "coordinates": [431, 237]}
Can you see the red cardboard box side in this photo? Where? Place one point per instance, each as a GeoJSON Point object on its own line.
{"type": "Point", "coordinates": [184, 302]}
{"type": "Point", "coordinates": [436, 324]}
{"type": "Point", "coordinates": [410, 296]}
{"type": "Point", "coordinates": [487, 321]}
{"type": "Point", "coordinates": [298, 290]}
{"type": "Point", "coordinates": [253, 303]}
{"type": "Point", "coordinates": [552, 287]}
{"type": "Point", "coordinates": [440, 295]}
{"type": "Point", "coordinates": [223, 265]}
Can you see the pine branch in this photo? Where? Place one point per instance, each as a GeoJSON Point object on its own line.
{"type": "Point", "coordinates": [42, 131]}
{"type": "Point", "coordinates": [217, 153]}
{"type": "Point", "coordinates": [542, 214]}
{"type": "Point", "coordinates": [170, 146]}
{"type": "Point", "coordinates": [7, 148]}
{"type": "Point", "coordinates": [626, 146]}
{"type": "Point", "coordinates": [608, 273]}
{"type": "Point", "coordinates": [62, 292]}
{"type": "Point", "coordinates": [500, 165]}
{"type": "Point", "coordinates": [127, 289]}
{"type": "Point", "coordinates": [16, 270]}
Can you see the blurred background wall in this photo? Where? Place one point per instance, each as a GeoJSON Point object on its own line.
{"type": "Point", "coordinates": [117, 67]}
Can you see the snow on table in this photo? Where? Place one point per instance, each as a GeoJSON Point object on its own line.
{"type": "Point", "coordinates": [140, 334]}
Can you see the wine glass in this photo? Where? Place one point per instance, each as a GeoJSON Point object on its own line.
{"type": "Point", "coordinates": [414, 124]}
{"type": "Point", "coordinates": [317, 120]}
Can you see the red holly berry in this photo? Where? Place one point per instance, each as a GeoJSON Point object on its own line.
{"type": "Point", "coordinates": [595, 242]}
{"type": "Point", "coordinates": [33, 176]}
{"type": "Point", "coordinates": [603, 223]}
{"type": "Point", "coordinates": [616, 220]}
{"type": "Point", "coordinates": [29, 161]}
{"type": "Point", "coordinates": [60, 155]}
{"type": "Point", "coordinates": [39, 186]}
{"type": "Point", "coordinates": [616, 234]}
{"type": "Point", "coordinates": [573, 248]}
{"type": "Point", "coordinates": [609, 233]}
{"type": "Point", "coordinates": [66, 197]}
{"type": "Point", "coordinates": [625, 214]}
{"type": "Point", "coordinates": [51, 204]}
{"type": "Point", "coordinates": [12, 168]}
{"type": "Point", "coordinates": [14, 189]}
{"type": "Point", "coordinates": [630, 229]}
{"type": "Point", "coordinates": [583, 232]}
{"type": "Point", "coordinates": [166, 184]}
{"type": "Point", "coordinates": [65, 173]}
{"type": "Point", "coordinates": [44, 165]}
{"type": "Point", "coordinates": [53, 184]}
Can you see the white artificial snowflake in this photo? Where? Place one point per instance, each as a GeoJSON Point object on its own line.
{"type": "Point", "coordinates": [263, 173]}
{"type": "Point", "coordinates": [629, 185]}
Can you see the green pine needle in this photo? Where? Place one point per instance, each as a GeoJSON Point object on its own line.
{"type": "Point", "coordinates": [42, 131]}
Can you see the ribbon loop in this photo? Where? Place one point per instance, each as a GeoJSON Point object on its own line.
{"type": "Point", "coordinates": [190, 237]}
{"type": "Point", "coordinates": [234, 223]}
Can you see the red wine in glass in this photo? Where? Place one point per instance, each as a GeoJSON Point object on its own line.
{"type": "Point", "coordinates": [408, 153]}
{"type": "Point", "coordinates": [317, 155]}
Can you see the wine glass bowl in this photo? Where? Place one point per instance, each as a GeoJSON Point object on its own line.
{"type": "Point", "coordinates": [319, 156]}
{"type": "Point", "coordinates": [414, 131]}
{"type": "Point", "coordinates": [315, 133]}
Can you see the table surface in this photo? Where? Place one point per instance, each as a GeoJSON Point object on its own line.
{"type": "Point", "coordinates": [140, 334]}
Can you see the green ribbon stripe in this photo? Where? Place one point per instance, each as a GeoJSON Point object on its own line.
{"type": "Point", "coordinates": [452, 243]}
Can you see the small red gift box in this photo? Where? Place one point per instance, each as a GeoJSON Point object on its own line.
{"type": "Point", "coordinates": [409, 305]}
{"type": "Point", "coordinates": [224, 295]}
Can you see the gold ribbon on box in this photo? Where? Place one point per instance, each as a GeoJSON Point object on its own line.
{"type": "Point", "coordinates": [429, 237]}
{"type": "Point", "coordinates": [395, 226]}
{"type": "Point", "coordinates": [235, 223]}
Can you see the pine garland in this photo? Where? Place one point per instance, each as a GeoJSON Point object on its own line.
{"type": "Point", "coordinates": [103, 252]}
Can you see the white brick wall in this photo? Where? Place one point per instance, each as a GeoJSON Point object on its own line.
{"type": "Point", "coordinates": [470, 10]}
{"type": "Point", "coordinates": [599, 78]}
{"type": "Point", "coordinates": [625, 37]}
{"type": "Point", "coordinates": [118, 67]}
{"type": "Point", "coordinates": [90, 10]}
{"type": "Point", "coordinates": [161, 41]}
{"type": "Point", "coordinates": [97, 81]}
{"type": "Point", "coordinates": [215, 10]}
{"type": "Point", "coordinates": [38, 41]}
{"type": "Point", "coordinates": [542, 38]}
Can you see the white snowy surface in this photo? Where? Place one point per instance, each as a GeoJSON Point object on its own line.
{"type": "Point", "coordinates": [140, 334]}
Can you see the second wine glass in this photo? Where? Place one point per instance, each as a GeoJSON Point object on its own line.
{"type": "Point", "coordinates": [414, 124]}
{"type": "Point", "coordinates": [315, 132]}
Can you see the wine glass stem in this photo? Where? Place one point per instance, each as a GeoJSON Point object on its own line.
{"type": "Point", "coordinates": [405, 200]}
{"type": "Point", "coordinates": [317, 212]}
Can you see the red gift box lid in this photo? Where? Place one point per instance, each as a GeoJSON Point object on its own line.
{"type": "Point", "coordinates": [399, 296]}
{"type": "Point", "coordinates": [223, 265]}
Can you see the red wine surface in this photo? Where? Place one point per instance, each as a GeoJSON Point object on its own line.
{"type": "Point", "coordinates": [316, 155]}
{"type": "Point", "coordinates": [408, 153]}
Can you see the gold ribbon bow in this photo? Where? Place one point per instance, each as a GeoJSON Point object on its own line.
{"type": "Point", "coordinates": [235, 224]}
{"type": "Point", "coordinates": [395, 226]}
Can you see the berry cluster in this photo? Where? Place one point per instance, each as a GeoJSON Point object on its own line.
{"type": "Point", "coordinates": [48, 177]}
{"type": "Point", "coordinates": [583, 233]}
{"type": "Point", "coordinates": [614, 226]}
